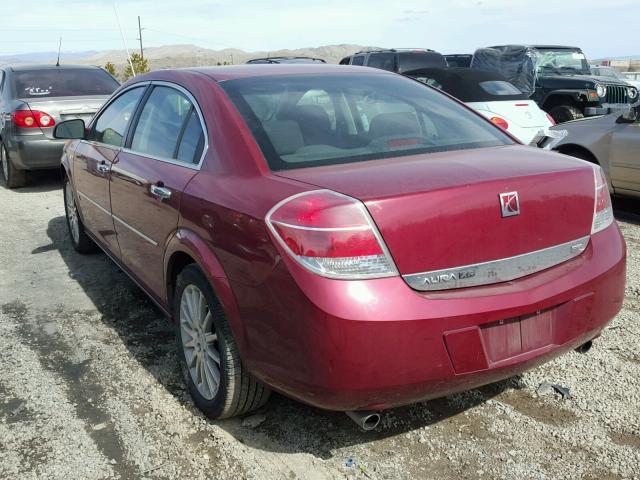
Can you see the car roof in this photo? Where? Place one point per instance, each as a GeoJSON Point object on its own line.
{"type": "Point", "coordinates": [45, 66]}
{"type": "Point", "coordinates": [220, 74]}
{"type": "Point", "coordinates": [540, 47]}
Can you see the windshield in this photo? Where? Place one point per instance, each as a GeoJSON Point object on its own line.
{"type": "Point", "coordinates": [553, 62]}
{"type": "Point", "coordinates": [63, 82]}
{"type": "Point", "coordinates": [302, 121]}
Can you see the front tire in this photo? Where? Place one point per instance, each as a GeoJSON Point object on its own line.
{"type": "Point", "coordinates": [13, 177]}
{"type": "Point", "coordinates": [210, 361]}
{"type": "Point", "coordinates": [565, 113]}
{"type": "Point", "coordinates": [81, 242]}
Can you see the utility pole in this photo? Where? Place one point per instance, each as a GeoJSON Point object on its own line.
{"type": "Point", "coordinates": [140, 38]}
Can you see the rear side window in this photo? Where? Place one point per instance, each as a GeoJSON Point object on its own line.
{"type": "Point", "coordinates": [192, 142]}
{"type": "Point", "coordinates": [111, 125]}
{"type": "Point", "coordinates": [408, 61]}
{"type": "Point", "coordinates": [303, 121]}
{"type": "Point", "coordinates": [63, 82]}
{"type": "Point", "coordinates": [358, 60]}
{"type": "Point", "coordinates": [385, 61]}
{"type": "Point", "coordinates": [161, 123]}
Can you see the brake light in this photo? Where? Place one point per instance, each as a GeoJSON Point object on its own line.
{"type": "Point", "coordinates": [553, 122]}
{"type": "Point", "coordinates": [32, 119]}
{"type": "Point", "coordinates": [332, 235]}
{"type": "Point", "coordinates": [603, 211]}
{"type": "Point", "coordinates": [501, 122]}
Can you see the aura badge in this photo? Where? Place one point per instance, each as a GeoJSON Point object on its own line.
{"type": "Point", "coordinates": [509, 204]}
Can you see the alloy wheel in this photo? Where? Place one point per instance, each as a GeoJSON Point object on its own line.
{"type": "Point", "coordinates": [199, 342]}
{"type": "Point", "coordinates": [72, 213]}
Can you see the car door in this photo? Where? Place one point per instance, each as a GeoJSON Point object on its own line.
{"type": "Point", "coordinates": [92, 163]}
{"type": "Point", "coordinates": [163, 152]}
{"type": "Point", "coordinates": [625, 156]}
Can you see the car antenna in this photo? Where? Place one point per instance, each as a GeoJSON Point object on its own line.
{"type": "Point", "coordinates": [59, 47]}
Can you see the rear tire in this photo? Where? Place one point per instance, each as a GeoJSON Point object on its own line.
{"type": "Point", "coordinates": [13, 177]}
{"type": "Point", "coordinates": [81, 242]}
{"type": "Point", "coordinates": [565, 113]}
{"type": "Point", "coordinates": [218, 383]}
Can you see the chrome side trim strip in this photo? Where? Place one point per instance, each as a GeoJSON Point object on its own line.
{"type": "Point", "coordinates": [97, 205]}
{"type": "Point", "coordinates": [137, 232]}
{"type": "Point", "coordinates": [496, 271]}
{"type": "Point", "coordinates": [119, 220]}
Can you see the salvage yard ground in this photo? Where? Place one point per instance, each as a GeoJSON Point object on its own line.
{"type": "Point", "coordinates": [90, 389]}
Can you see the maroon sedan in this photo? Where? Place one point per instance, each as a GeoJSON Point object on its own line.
{"type": "Point", "coordinates": [345, 236]}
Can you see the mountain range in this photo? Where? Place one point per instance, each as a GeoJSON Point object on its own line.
{"type": "Point", "coordinates": [172, 56]}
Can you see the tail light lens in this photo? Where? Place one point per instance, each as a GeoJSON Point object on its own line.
{"type": "Point", "coordinates": [32, 119]}
{"type": "Point", "coordinates": [603, 211]}
{"type": "Point", "coordinates": [553, 122]}
{"type": "Point", "coordinates": [331, 235]}
{"type": "Point", "coordinates": [501, 122]}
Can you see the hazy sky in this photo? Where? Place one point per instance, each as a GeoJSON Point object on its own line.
{"type": "Point", "coordinates": [454, 26]}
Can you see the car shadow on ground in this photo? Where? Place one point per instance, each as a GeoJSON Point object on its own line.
{"type": "Point", "coordinates": [627, 209]}
{"type": "Point", "coordinates": [38, 181]}
{"type": "Point", "coordinates": [289, 427]}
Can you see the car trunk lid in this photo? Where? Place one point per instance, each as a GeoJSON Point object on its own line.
{"type": "Point", "coordinates": [523, 113]}
{"type": "Point", "coordinates": [66, 108]}
{"type": "Point", "coordinates": [443, 211]}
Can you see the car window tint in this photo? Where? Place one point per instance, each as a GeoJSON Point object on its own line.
{"type": "Point", "coordinates": [358, 60]}
{"type": "Point", "coordinates": [385, 61]}
{"type": "Point", "coordinates": [111, 126]}
{"type": "Point", "coordinates": [63, 82]}
{"type": "Point", "coordinates": [498, 87]}
{"type": "Point", "coordinates": [376, 116]}
{"type": "Point", "coordinates": [160, 123]}
{"type": "Point", "coordinates": [192, 142]}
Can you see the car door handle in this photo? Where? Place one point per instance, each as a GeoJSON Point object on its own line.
{"type": "Point", "coordinates": [103, 168]}
{"type": "Point", "coordinates": [162, 193]}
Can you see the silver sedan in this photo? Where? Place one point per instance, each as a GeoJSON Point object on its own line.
{"type": "Point", "coordinates": [611, 141]}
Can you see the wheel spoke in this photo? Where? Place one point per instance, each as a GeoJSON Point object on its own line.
{"type": "Point", "coordinates": [213, 354]}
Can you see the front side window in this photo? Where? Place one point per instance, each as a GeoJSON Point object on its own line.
{"type": "Point", "coordinates": [111, 126]}
{"type": "Point", "coordinates": [161, 123]}
{"type": "Point", "coordinates": [302, 121]}
{"type": "Point", "coordinates": [63, 82]}
{"type": "Point", "coordinates": [358, 60]}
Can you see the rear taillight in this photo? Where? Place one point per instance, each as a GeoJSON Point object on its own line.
{"type": "Point", "coordinates": [501, 122]}
{"type": "Point", "coordinates": [332, 235]}
{"type": "Point", "coordinates": [32, 119]}
{"type": "Point", "coordinates": [603, 211]}
{"type": "Point", "coordinates": [550, 118]}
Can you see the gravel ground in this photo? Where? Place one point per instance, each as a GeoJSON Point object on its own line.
{"type": "Point", "coordinates": [90, 389]}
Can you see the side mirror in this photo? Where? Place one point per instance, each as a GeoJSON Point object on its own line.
{"type": "Point", "coordinates": [70, 129]}
{"type": "Point", "coordinates": [629, 116]}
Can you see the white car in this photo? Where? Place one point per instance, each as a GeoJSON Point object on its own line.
{"type": "Point", "coordinates": [490, 94]}
{"type": "Point", "coordinates": [610, 72]}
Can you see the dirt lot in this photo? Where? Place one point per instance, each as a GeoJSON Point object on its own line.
{"type": "Point", "coordinates": [89, 389]}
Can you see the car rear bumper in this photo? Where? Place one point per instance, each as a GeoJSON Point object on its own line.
{"type": "Point", "coordinates": [34, 152]}
{"type": "Point", "coordinates": [376, 344]}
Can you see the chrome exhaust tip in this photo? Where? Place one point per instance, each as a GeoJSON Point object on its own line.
{"type": "Point", "coordinates": [585, 347]}
{"type": "Point", "coordinates": [366, 420]}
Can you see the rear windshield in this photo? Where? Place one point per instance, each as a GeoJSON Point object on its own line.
{"type": "Point", "coordinates": [499, 88]}
{"type": "Point", "coordinates": [415, 60]}
{"type": "Point", "coordinates": [63, 82]}
{"type": "Point", "coordinates": [303, 121]}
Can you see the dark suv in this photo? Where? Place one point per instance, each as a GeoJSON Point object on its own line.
{"type": "Point", "coordinates": [272, 60]}
{"type": "Point", "coordinates": [397, 60]}
{"type": "Point", "coordinates": [558, 79]}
